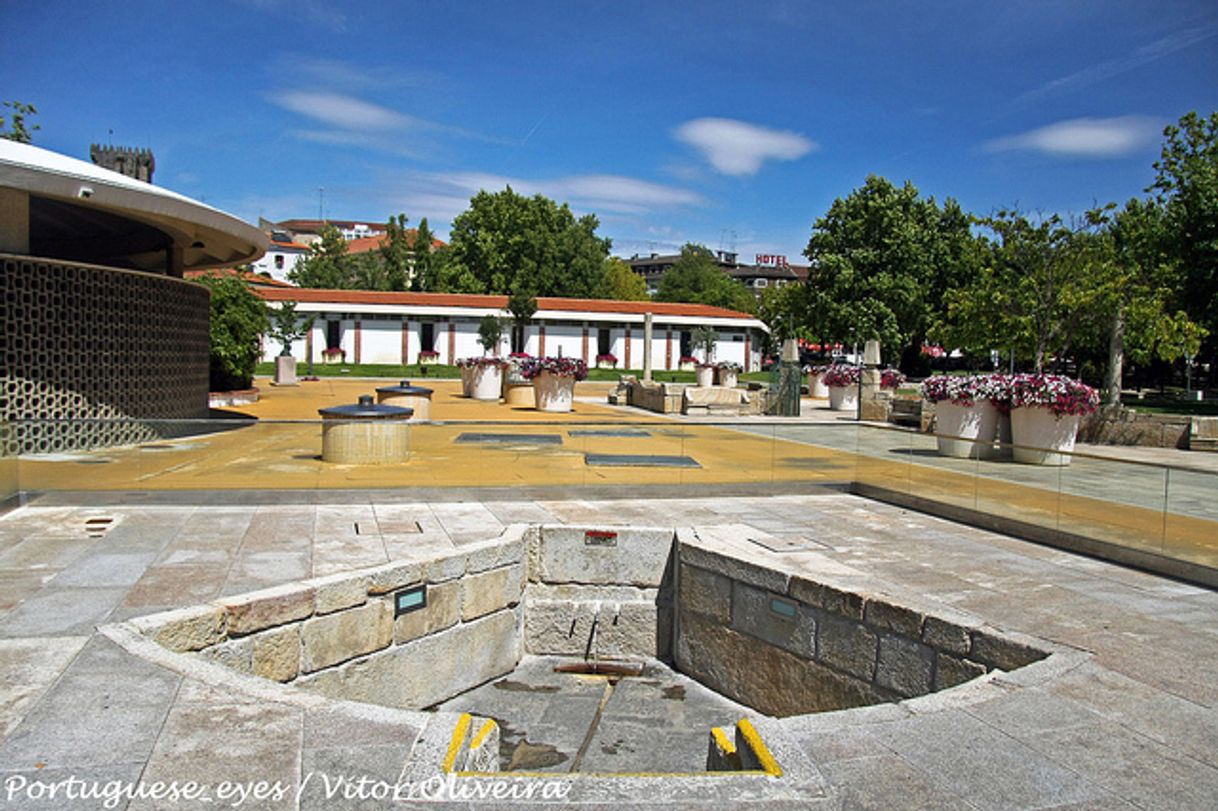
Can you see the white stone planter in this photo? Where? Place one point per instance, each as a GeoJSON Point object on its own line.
{"type": "Point", "coordinates": [486, 381]}
{"type": "Point", "coordinates": [705, 376]}
{"type": "Point", "coordinates": [554, 392]}
{"type": "Point", "coordinates": [816, 387]}
{"type": "Point", "coordinates": [1041, 437]}
{"type": "Point", "coordinates": [727, 378]}
{"type": "Point", "coordinates": [966, 432]}
{"type": "Point", "coordinates": [285, 371]}
{"type": "Point", "coordinates": [843, 398]}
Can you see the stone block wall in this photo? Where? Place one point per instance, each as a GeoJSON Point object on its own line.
{"type": "Point", "coordinates": [599, 593]}
{"type": "Point", "coordinates": [97, 350]}
{"type": "Point", "coordinates": [788, 645]}
{"type": "Point", "coordinates": [338, 635]}
{"type": "Point", "coordinates": [1129, 427]}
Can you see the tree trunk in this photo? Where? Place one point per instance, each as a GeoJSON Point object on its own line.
{"type": "Point", "coordinates": [1116, 360]}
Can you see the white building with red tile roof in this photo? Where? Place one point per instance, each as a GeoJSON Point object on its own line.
{"type": "Point", "coordinates": [393, 328]}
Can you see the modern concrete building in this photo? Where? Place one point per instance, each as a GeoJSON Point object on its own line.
{"type": "Point", "coordinates": [379, 327]}
{"type": "Point", "coordinates": [768, 271]}
{"type": "Point", "coordinates": [99, 330]}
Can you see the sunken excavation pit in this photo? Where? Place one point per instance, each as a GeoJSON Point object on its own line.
{"type": "Point", "coordinates": [593, 651]}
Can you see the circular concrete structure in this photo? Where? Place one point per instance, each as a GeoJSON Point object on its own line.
{"type": "Point", "coordinates": [102, 340]}
{"type": "Point", "coordinates": [365, 433]}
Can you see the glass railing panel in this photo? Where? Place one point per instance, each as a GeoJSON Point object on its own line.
{"type": "Point", "coordinates": [1190, 526]}
{"type": "Point", "coordinates": [1113, 501]}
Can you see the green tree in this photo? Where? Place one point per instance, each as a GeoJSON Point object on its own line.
{"type": "Point", "coordinates": [426, 259]}
{"type": "Point", "coordinates": [18, 131]}
{"type": "Point", "coordinates": [287, 327]}
{"type": "Point", "coordinates": [1186, 184]}
{"type": "Point", "coordinates": [237, 322]}
{"type": "Point", "coordinates": [621, 283]}
{"type": "Point", "coordinates": [698, 279]}
{"type": "Point", "coordinates": [1036, 294]}
{"type": "Point", "coordinates": [786, 312]}
{"type": "Point", "coordinates": [397, 256]}
{"type": "Point", "coordinates": [521, 304]}
{"type": "Point", "coordinates": [1137, 285]}
{"type": "Point", "coordinates": [504, 241]}
{"type": "Point", "coordinates": [328, 264]}
{"type": "Point", "coordinates": [881, 261]}
{"type": "Point", "coordinates": [490, 331]}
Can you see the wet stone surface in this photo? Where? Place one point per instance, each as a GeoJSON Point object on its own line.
{"type": "Point", "coordinates": [637, 460]}
{"type": "Point", "coordinates": [658, 721]}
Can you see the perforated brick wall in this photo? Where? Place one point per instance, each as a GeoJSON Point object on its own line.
{"type": "Point", "coordinates": [87, 353]}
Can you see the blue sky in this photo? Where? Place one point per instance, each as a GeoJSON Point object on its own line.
{"type": "Point", "coordinates": [731, 124]}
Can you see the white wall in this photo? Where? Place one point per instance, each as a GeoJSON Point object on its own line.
{"type": "Point", "coordinates": [380, 342]}
{"type": "Point", "coordinates": [569, 339]}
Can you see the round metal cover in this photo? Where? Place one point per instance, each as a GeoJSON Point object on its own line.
{"type": "Point", "coordinates": [366, 409]}
{"type": "Point", "coordinates": [405, 388]}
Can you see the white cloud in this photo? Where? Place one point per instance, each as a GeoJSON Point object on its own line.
{"type": "Point", "coordinates": [597, 193]}
{"type": "Point", "coordinates": [343, 111]}
{"type": "Point", "coordinates": [738, 148]}
{"type": "Point", "coordinates": [1084, 137]}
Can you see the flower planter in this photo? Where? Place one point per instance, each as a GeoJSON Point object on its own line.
{"type": "Point", "coordinates": [428, 359]}
{"type": "Point", "coordinates": [705, 376]}
{"type": "Point", "coordinates": [843, 398]}
{"type": "Point", "coordinates": [486, 381]}
{"type": "Point", "coordinates": [554, 392]}
{"type": "Point", "coordinates": [816, 387]}
{"type": "Point", "coordinates": [968, 432]}
{"type": "Point", "coordinates": [332, 358]}
{"type": "Point", "coordinates": [1041, 437]}
{"type": "Point", "coordinates": [727, 378]}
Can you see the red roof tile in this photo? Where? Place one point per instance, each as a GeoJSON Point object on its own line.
{"type": "Point", "coordinates": [256, 279]}
{"type": "Point", "coordinates": [320, 296]}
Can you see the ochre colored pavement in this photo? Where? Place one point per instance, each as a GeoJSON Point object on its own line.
{"type": "Point", "coordinates": [275, 453]}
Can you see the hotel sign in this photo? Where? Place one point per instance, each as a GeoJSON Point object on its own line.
{"type": "Point", "coordinates": [771, 260]}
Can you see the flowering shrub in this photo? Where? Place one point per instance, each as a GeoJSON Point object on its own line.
{"type": "Point", "coordinates": [333, 352]}
{"type": "Point", "coordinates": [891, 379]}
{"type": "Point", "coordinates": [427, 353]}
{"type": "Point", "coordinates": [688, 359]}
{"type": "Point", "coordinates": [961, 391]}
{"type": "Point", "coordinates": [933, 351]}
{"type": "Point", "coordinates": [841, 375]}
{"type": "Point", "coordinates": [816, 370]}
{"type": "Point", "coordinates": [729, 366]}
{"type": "Point", "coordinates": [467, 363]}
{"type": "Point", "coordinates": [519, 355]}
{"type": "Point", "coordinates": [561, 367]}
{"type": "Point", "coordinates": [1060, 394]}
{"type": "Point", "coordinates": [608, 357]}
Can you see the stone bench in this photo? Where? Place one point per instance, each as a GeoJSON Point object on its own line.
{"type": "Point", "coordinates": [1203, 434]}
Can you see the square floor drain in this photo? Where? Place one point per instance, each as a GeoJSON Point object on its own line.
{"type": "Point", "coordinates": [617, 432]}
{"type": "Point", "coordinates": [511, 439]}
{"type": "Point", "coordinates": [637, 460]}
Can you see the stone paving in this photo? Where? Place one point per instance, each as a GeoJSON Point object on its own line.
{"type": "Point", "coordinates": [1130, 722]}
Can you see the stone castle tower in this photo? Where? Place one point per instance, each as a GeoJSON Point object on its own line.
{"type": "Point", "coordinates": [136, 163]}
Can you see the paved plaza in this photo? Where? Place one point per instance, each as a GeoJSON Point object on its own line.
{"type": "Point", "coordinates": [1131, 720]}
{"type": "Point", "coordinates": [1124, 715]}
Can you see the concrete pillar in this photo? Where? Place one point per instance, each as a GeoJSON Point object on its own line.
{"type": "Point", "coordinates": [873, 403]}
{"type": "Point", "coordinates": [359, 339]}
{"type": "Point", "coordinates": [647, 347]}
{"type": "Point", "coordinates": [14, 222]}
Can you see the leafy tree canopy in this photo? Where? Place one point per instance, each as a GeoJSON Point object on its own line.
{"type": "Point", "coordinates": [698, 279]}
{"type": "Point", "coordinates": [881, 261]}
{"type": "Point", "coordinates": [238, 321]}
{"type": "Point", "coordinates": [621, 283]}
{"type": "Point", "coordinates": [18, 130]}
{"type": "Point", "coordinates": [328, 264]}
{"type": "Point", "coordinates": [505, 241]}
{"type": "Point", "coordinates": [1186, 184]}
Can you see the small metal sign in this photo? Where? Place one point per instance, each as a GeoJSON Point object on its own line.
{"type": "Point", "coordinates": [411, 599]}
{"type": "Point", "coordinates": [594, 537]}
{"type": "Point", "coordinates": [783, 608]}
